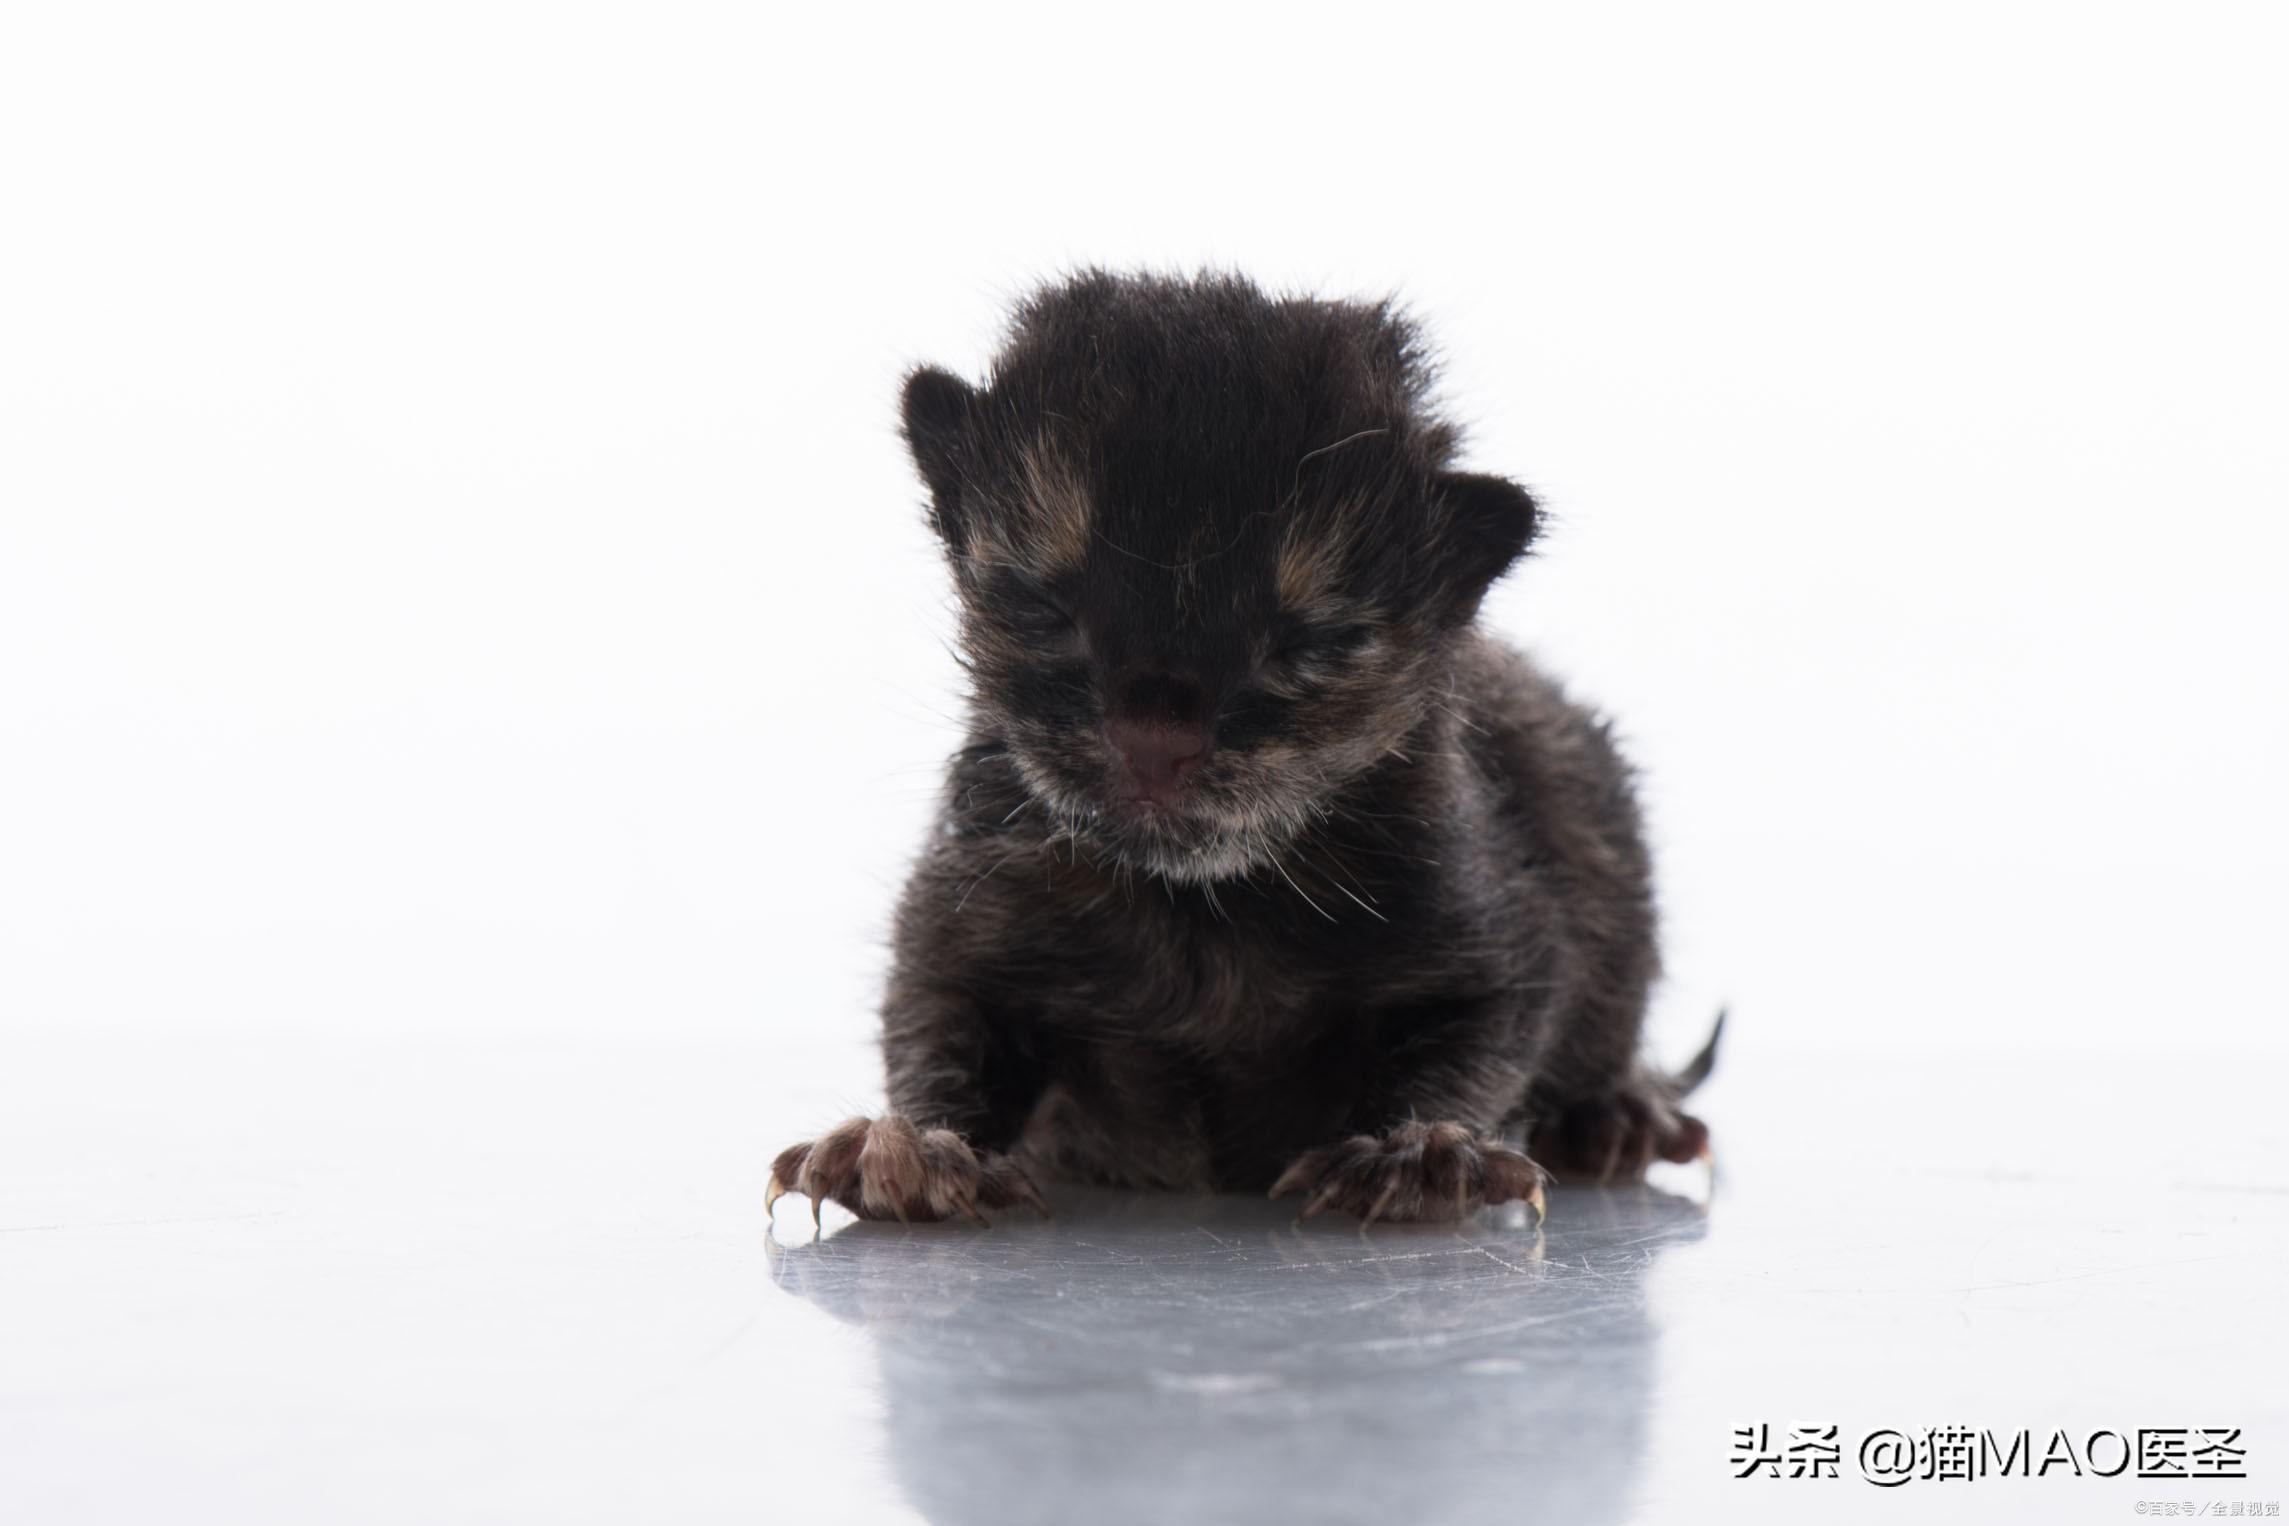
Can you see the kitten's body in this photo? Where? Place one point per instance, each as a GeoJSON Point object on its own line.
{"type": "Point", "coordinates": [1262, 864]}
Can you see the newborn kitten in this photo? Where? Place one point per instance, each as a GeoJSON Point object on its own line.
{"type": "Point", "coordinates": [1262, 866]}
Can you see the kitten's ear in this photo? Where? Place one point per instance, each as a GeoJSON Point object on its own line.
{"type": "Point", "coordinates": [934, 414]}
{"type": "Point", "coordinates": [1488, 524]}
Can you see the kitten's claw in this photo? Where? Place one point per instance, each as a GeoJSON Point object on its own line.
{"type": "Point", "coordinates": [1415, 1173]}
{"type": "Point", "coordinates": [1302, 1171]}
{"type": "Point", "coordinates": [1002, 1181]}
{"type": "Point", "coordinates": [1040, 1203]}
{"type": "Point", "coordinates": [786, 1175]}
{"type": "Point", "coordinates": [886, 1168]}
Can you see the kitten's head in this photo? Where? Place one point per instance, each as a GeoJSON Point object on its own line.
{"type": "Point", "coordinates": [1209, 547]}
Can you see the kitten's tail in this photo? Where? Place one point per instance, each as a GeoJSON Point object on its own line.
{"type": "Point", "coordinates": [1697, 1069]}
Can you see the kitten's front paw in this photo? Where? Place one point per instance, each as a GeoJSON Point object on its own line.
{"type": "Point", "coordinates": [885, 1168]}
{"type": "Point", "coordinates": [1417, 1172]}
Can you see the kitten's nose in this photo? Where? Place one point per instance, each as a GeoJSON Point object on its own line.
{"type": "Point", "coordinates": [1158, 757]}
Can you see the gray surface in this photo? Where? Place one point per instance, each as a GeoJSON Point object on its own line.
{"type": "Point", "coordinates": [257, 1278]}
{"type": "Point", "coordinates": [1219, 1360]}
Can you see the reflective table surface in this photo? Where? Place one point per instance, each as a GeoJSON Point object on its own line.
{"type": "Point", "coordinates": [259, 1277]}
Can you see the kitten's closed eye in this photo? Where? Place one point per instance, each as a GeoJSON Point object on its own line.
{"type": "Point", "coordinates": [1033, 612]}
{"type": "Point", "coordinates": [1312, 649]}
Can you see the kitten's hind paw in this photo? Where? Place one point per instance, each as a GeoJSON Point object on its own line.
{"type": "Point", "coordinates": [886, 1168]}
{"type": "Point", "coordinates": [1414, 1173]}
{"type": "Point", "coordinates": [1599, 1139]}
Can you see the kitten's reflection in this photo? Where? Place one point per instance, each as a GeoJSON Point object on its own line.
{"type": "Point", "coordinates": [1184, 1358]}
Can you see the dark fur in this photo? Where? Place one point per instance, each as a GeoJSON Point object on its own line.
{"type": "Point", "coordinates": [1404, 907]}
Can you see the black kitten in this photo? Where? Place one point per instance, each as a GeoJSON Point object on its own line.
{"type": "Point", "coordinates": [1262, 865]}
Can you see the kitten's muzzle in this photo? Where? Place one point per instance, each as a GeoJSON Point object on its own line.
{"type": "Point", "coordinates": [1156, 759]}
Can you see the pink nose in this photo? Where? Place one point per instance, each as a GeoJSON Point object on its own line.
{"type": "Point", "coordinates": [1158, 759]}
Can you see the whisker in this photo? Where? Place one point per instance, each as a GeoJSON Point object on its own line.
{"type": "Point", "coordinates": [981, 879]}
{"type": "Point", "coordinates": [1299, 890]}
{"type": "Point", "coordinates": [1363, 906]}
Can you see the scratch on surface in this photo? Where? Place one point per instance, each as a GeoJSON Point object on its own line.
{"type": "Point", "coordinates": [2104, 1271]}
{"type": "Point", "coordinates": [705, 1360]}
{"type": "Point", "coordinates": [1412, 1255]}
{"type": "Point", "coordinates": [198, 1218]}
{"type": "Point", "coordinates": [1428, 1340]}
{"type": "Point", "coordinates": [1498, 1261]}
{"type": "Point", "coordinates": [1590, 1268]}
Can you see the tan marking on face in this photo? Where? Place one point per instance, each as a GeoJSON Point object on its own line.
{"type": "Point", "coordinates": [1310, 567]}
{"type": "Point", "coordinates": [1053, 518]}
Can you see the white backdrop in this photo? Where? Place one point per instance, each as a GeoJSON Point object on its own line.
{"type": "Point", "coordinates": [457, 570]}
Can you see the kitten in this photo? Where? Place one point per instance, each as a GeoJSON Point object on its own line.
{"type": "Point", "coordinates": [1262, 866]}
